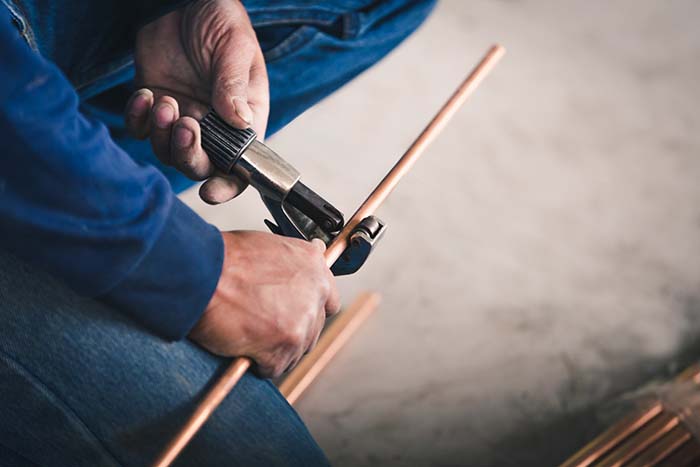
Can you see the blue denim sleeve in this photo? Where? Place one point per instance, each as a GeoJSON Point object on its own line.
{"type": "Point", "coordinates": [75, 204]}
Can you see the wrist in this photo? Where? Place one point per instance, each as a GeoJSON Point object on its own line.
{"type": "Point", "coordinates": [221, 291]}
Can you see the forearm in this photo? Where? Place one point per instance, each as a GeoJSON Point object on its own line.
{"type": "Point", "coordinates": [79, 207]}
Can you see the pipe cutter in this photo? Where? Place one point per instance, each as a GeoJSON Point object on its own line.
{"type": "Point", "coordinates": [297, 210]}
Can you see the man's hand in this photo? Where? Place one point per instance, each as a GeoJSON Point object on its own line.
{"type": "Point", "coordinates": [271, 301]}
{"type": "Point", "coordinates": [205, 54]}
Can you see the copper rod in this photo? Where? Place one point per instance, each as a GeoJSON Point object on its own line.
{"type": "Point", "coordinates": [687, 455]}
{"type": "Point", "coordinates": [331, 341]}
{"type": "Point", "coordinates": [427, 136]}
{"type": "Point", "coordinates": [640, 441]}
{"type": "Point", "coordinates": [338, 245]}
{"type": "Point", "coordinates": [211, 401]}
{"type": "Point", "coordinates": [663, 448]}
{"type": "Point", "coordinates": [619, 432]}
{"type": "Point", "coordinates": [612, 437]}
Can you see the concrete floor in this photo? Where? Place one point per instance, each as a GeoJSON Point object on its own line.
{"type": "Point", "coordinates": [542, 259]}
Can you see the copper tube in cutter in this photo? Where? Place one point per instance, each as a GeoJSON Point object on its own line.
{"type": "Point", "coordinates": [238, 152]}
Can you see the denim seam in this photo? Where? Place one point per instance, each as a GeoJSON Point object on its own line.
{"type": "Point", "coordinates": [372, 41]}
{"type": "Point", "coordinates": [129, 61]}
{"type": "Point", "coordinates": [26, 31]}
{"type": "Point", "coordinates": [350, 23]}
{"type": "Point", "coordinates": [53, 397]}
{"type": "Point", "coordinates": [309, 11]}
{"type": "Point", "coordinates": [350, 26]}
{"type": "Point", "coordinates": [294, 42]}
{"type": "Point", "coordinates": [285, 21]}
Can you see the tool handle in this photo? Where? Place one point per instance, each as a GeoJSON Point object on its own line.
{"type": "Point", "coordinates": [223, 143]}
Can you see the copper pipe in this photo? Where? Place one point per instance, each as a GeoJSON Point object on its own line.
{"type": "Point", "coordinates": [211, 401]}
{"type": "Point", "coordinates": [688, 455]}
{"type": "Point", "coordinates": [331, 341]}
{"type": "Point", "coordinates": [608, 440]}
{"type": "Point", "coordinates": [338, 245]}
{"type": "Point", "coordinates": [663, 448]}
{"type": "Point", "coordinates": [615, 435]}
{"type": "Point", "coordinates": [427, 136]}
{"type": "Point", "coordinates": [640, 441]}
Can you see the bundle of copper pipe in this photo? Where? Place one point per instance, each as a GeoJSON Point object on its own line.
{"type": "Point", "coordinates": [653, 436]}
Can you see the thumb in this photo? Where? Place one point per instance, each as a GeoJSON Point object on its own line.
{"type": "Point", "coordinates": [318, 243]}
{"type": "Point", "coordinates": [230, 94]}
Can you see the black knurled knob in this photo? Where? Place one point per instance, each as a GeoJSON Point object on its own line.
{"type": "Point", "coordinates": [223, 143]}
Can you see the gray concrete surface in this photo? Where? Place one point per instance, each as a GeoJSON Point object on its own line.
{"type": "Point", "coordinates": [542, 259]}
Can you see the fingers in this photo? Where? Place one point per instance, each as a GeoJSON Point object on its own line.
{"type": "Point", "coordinates": [316, 332]}
{"type": "Point", "coordinates": [177, 141]}
{"type": "Point", "coordinates": [332, 299]}
{"type": "Point", "coordinates": [186, 150]}
{"type": "Point", "coordinates": [273, 367]}
{"type": "Point", "coordinates": [138, 111]}
{"type": "Point", "coordinates": [219, 189]}
{"type": "Point", "coordinates": [259, 95]}
{"type": "Point", "coordinates": [163, 115]}
{"type": "Point", "coordinates": [333, 303]}
{"type": "Point", "coordinates": [231, 77]}
{"type": "Point", "coordinates": [318, 244]}
{"type": "Point", "coordinates": [313, 334]}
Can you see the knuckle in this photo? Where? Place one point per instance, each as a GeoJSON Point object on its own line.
{"type": "Point", "coordinates": [325, 286]}
{"type": "Point", "coordinates": [266, 371]}
{"type": "Point", "coordinates": [276, 367]}
{"type": "Point", "coordinates": [167, 100]}
{"type": "Point", "coordinates": [246, 42]}
{"type": "Point", "coordinates": [293, 336]}
{"type": "Point", "coordinates": [232, 83]}
{"type": "Point", "coordinates": [268, 365]}
{"type": "Point", "coordinates": [317, 332]}
{"type": "Point", "coordinates": [277, 371]}
{"type": "Point", "coordinates": [313, 256]}
{"type": "Point", "coordinates": [312, 346]}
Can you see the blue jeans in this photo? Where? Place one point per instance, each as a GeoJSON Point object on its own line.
{"type": "Point", "coordinates": [82, 385]}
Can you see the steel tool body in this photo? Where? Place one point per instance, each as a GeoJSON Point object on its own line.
{"type": "Point", "coordinates": [296, 209]}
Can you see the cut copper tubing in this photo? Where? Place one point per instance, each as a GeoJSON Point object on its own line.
{"type": "Point", "coordinates": [619, 432]}
{"type": "Point", "coordinates": [612, 438]}
{"type": "Point", "coordinates": [641, 441]}
{"type": "Point", "coordinates": [331, 341]}
{"type": "Point", "coordinates": [663, 448]}
{"type": "Point", "coordinates": [688, 455]}
{"type": "Point", "coordinates": [239, 366]}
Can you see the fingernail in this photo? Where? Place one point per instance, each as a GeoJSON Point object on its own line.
{"type": "Point", "coordinates": [139, 105]}
{"type": "Point", "coordinates": [243, 110]}
{"type": "Point", "coordinates": [183, 137]}
{"type": "Point", "coordinates": [165, 115]}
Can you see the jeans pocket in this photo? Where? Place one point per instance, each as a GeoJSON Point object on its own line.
{"type": "Point", "coordinates": [283, 29]}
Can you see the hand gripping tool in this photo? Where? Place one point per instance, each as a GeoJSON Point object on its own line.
{"type": "Point", "coordinates": [297, 210]}
{"type": "Point", "coordinates": [301, 213]}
